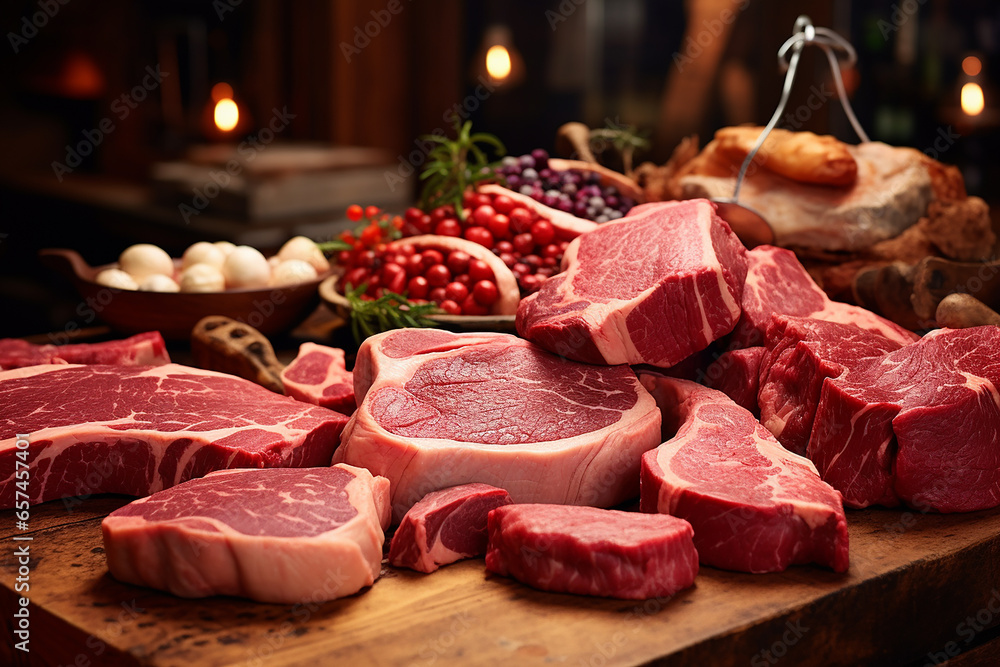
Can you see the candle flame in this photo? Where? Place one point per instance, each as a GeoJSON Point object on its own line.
{"type": "Point", "coordinates": [227, 114]}
{"type": "Point", "coordinates": [498, 62]}
{"type": "Point", "coordinates": [972, 99]}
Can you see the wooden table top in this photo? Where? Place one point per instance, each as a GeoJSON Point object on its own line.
{"type": "Point", "coordinates": [914, 582]}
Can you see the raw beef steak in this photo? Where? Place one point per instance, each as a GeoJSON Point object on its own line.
{"type": "Point", "coordinates": [445, 526]}
{"type": "Point", "coordinates": [439, 409]}
{"type": "Point", "coordinates": [754, 506]}
{"type": "Point", "coordinates": [778, 284]}
{"type": "Point", "coordinates": [651, 288]}
{"type": "Point", "coordinates": [279, 535]}
{"type": "Point", "coordinates": [145, 349]}
{"type": "Point", "coordinates": [319, 376]}
{"type": "Point", "coordinates": [921, 426]}
{"type": "Point", "coordinates": [736, 374]}
{"type": "Point", "coordinates": [136, 430]}
{"type": "Point", "coordinates": [590, 551]}
{"type": "Point", "coordinates": [800, 354]}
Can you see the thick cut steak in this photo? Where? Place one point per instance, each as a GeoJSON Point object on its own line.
{"type": "Point", "coordinates": [754, 506]}
{"type": "Point", "coordinates": [445, 526]}
{"type": "Point", "coordinates": [778, 284]}
{"type": "Point", "coordinates": [278, 535]}
{"type": "Point", "coordinates": [439, 409]}
{"type": "Point", "coordinates": [800, 355]}
{"type": "Point", "coordinates": [736, 374]}
{"type": "Point", "coordinates": [319, 376]}
{"type": "Point", "coordinates": [590, 551]}
{"type": "Point", "coordinates": [136, 430]}
{"type": "Point", "coordinates": [922, 425]}
{"type": "Point", "coordinates": [651, 288]}
{"type": "Point", "coordinates": [145, 349]}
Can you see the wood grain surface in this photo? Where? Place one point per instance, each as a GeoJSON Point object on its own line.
{"type": "Point", "coordinates": [919, 586]}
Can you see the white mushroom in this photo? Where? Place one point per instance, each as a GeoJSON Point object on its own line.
{"type": "Point", "coordinates": [159, 282]}
{"type": "Point", "coordinates": [204, 252]}
{"type": "Point", "coordinates": [300, 247]}
{"type": "Point", "coordinates": [293, 271]}
{"type": "Point", "coordinates": [225, 246]}
{"type": "Point", "coordinates": [246, 268]}
{"type": "Point", "coordinates": [202, 278]}
{"type": "Point", "coordinates": [116, 278]}
{"type": "Point", "coordinates": [143, 259]}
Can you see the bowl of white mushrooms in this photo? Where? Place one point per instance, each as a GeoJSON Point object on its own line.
{"type": "Point", "coordinates": [148, 289]}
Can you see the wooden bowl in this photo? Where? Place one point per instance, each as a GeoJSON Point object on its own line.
{"type": "Point", "coordinates": [271, 310]}
{"type": "Point", "coordinates": [339, 304]}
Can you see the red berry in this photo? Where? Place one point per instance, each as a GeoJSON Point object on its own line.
{"type": "Point", "coordinates": [508, 258]}
{"type": "Point", "coordinates": [438, 275]}
{"type": "Point", "coordinates": [413, 214]}
{"type": "Point", "coordinates": [545, 272]}
{"type": "Point", "coordinates": [415, 264]}
{"type": "Point", "coordinates": [467, 197]}
{"type": "Point", "coordinates": [365, 258]}
{"type": "Point", "coordinates": [344, 257]}
{"type": "Point", "coordinates": [480, 270]}
{"type": "Point", "coordinates": [543, 232]}
{"type": "Point", "coordinates": [456, 291]}
{"type": "Point", "coordinates": [406, 249]}
{"type": "Point", "coordinates": [393, 277]}
{"type": "Point", "coordinates": [485, 293]}
{"type": "Point", "coordinates": [563, 245]}
{"type": "Point", "coordinates": [550, 262]}
{"type": "Point", "coordinates": [417, 288]}
{"type": "Point", "coordinates": [534, 261]}
{"type": "Point", "coordinates": [458, 262]}
{"type": "Point", "coordinates": [464, 279]}
{"type": "Point", "coordinates": [529, 283]}
{"type": "Point", "coordinates": [355, 277]}
{"type": "Point", "coordinates": [499, 226]}
{"type": "Point", "coordinates": [479, 235]}
{"type": "Point", "coordinates": [521, 269]}
{"type": "Point", "coordinates": [448, 227]}
{"type": "Point", "coordinates": [399, 258]}
{"type": "Point", "coordinates": [521, 219]}
{"type": "Point", "coordinates": [355, 212]}
{"type": "Point", "coordinates": [436, 295]}
{"type": "Point", "coordinates": [480, 199]}
{"type": "Point", "coordinates": [483, 214]}
{"type": "Point", "coordinates": [551, 250]}
{"type": "Point", "coordinates": [524, 243]}
{"type": "Point", "coordinates": [504, 246]}
{"type": "Point", "coordinates": [442, 212]}
{"type": "Point", "coordinates": [432, 257]}
{"type": "Point", "coordinates": [450, 307]}
{"type": "Point", "coordinates": [504, 204]}
{"type": "Point", "coordinates": [372, 211]}
{"type": "Point", "coordinates": [472, 307]}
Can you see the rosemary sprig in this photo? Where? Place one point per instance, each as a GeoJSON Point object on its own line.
{"type": "Point", "coordinates": [625, 138]}
{"type": "Point", "coordinates": [389, 311]}
{"type": "Point", "coordinates": [455, 165]}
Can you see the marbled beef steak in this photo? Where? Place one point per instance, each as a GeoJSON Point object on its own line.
{"type": "Point", "coordinates": [590, 551]}
{"type": "Point", "coordinates": [439, 409]}
{"type": "Point", "coordinates": [922, 425]}
{"type": "Point", "coordinates": [651, 288]}
{"type": "Point", "coordinates": [136, 430]}
{"type": "Point", "coordinates": [754, 506]}
{"type": "Point", "coordinates": [445, 526]}
{"type": "Point", "coordinates": [318, 375]}
{"type": "Point", "coordinates": [277, 535]}
{"type": "Point", "coordinates": [145, 349]}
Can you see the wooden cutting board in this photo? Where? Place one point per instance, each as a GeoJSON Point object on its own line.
{"type": "Point", "coordinates": [914, 582]}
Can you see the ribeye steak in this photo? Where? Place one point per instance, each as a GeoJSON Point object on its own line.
{"type": "Point", "coordinates": [778, 284]}
{"type": "Point", "coordinates": [922, 425]}
{"type": "Point", "coordinates": [145, 349]}
{"type": "Point", "coordinates": [754, 506]}
{"type": "Point", "coordinates": [280, 535]}
{"type": "Point", "coordinates": [439, 409]}
{"type": "Point", "coordinates": [653, 287]}
{"type": "Point", "coordinates": [319, 376]}
{"type": "Point", "coordinates": [445, 526]}
{"type": "Point", "coordinates": [590, 551]}
{"type": "Point", "coordinates": [138, 429]}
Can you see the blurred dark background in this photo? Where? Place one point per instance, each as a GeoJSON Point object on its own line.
{"type": "Point", "coordinates": [95, 95]}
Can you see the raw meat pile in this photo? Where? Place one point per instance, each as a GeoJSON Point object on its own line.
{"type": "Point", "coordinates": [439, 409]}
{"type": "Point", "coordinates": [139, 429]}
{"type": "Point", "coordinates": [145, 349]}
{"type": "Point", "coordinates": [318, 376]}
{"type": "Point", "coordinates": [277, 535]}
